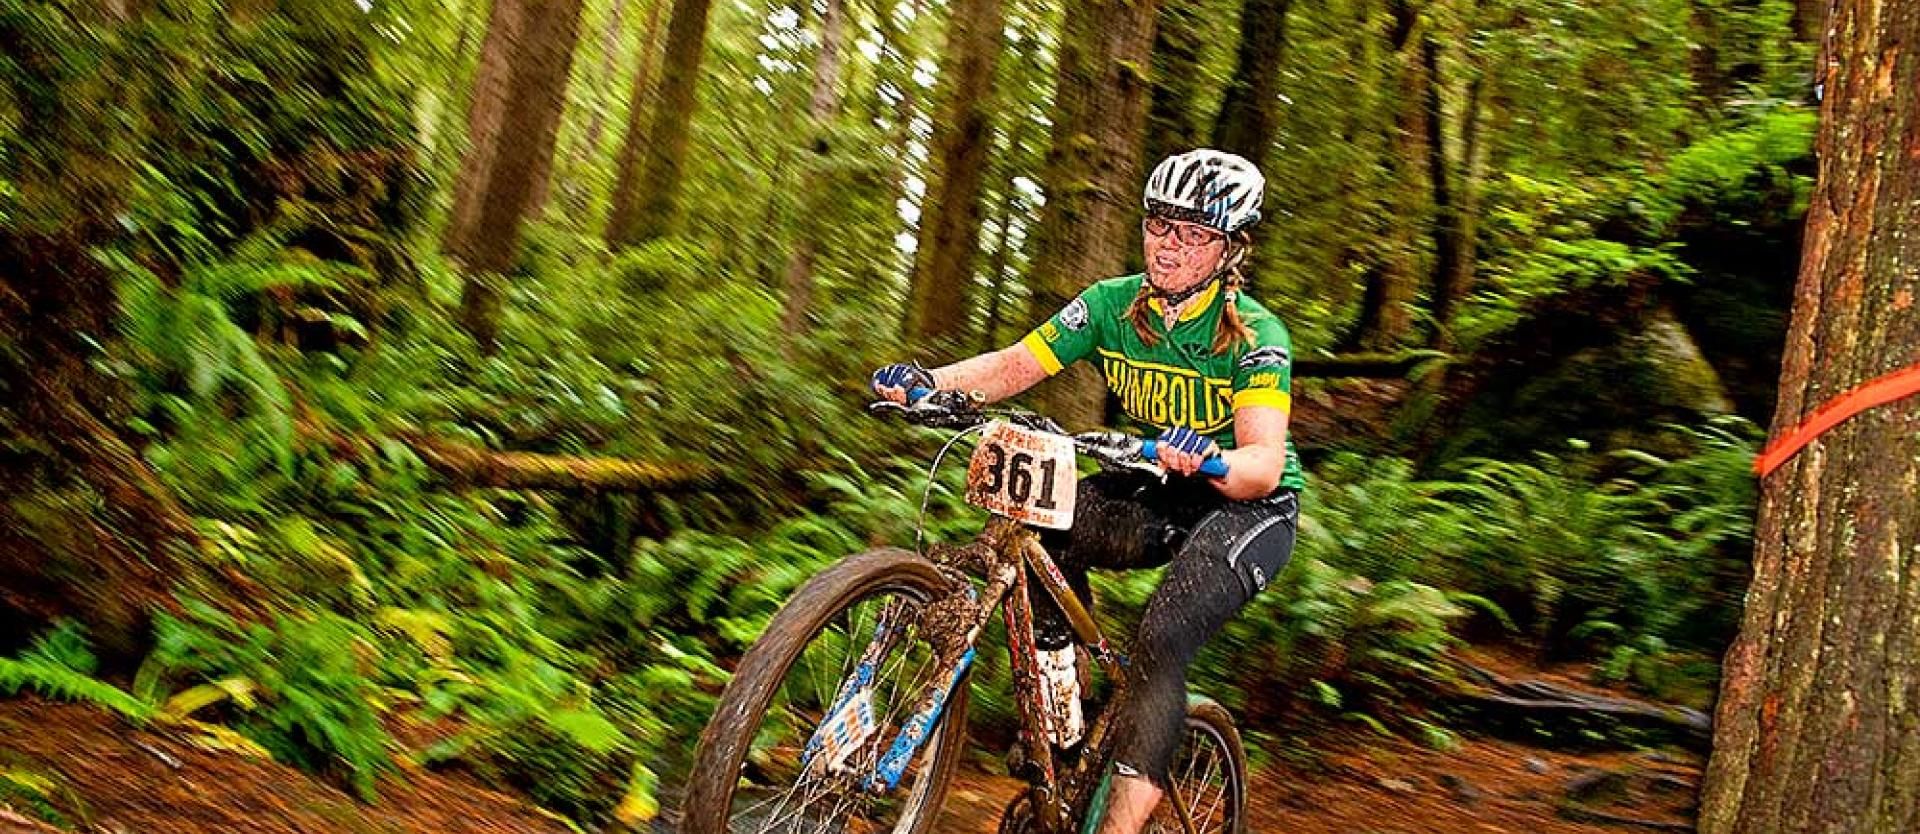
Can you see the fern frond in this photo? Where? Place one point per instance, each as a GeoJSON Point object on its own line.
{"type": "Point", "coordinates": [57, 681]}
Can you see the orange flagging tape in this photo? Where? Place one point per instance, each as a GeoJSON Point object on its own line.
{"type": "Point", "coordinates": [1880, 391]}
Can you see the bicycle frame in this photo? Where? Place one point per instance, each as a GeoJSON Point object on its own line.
{"type": "Point", "coordinates": [1004, 556]}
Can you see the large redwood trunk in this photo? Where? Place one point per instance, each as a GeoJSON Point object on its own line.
{"type": "Point", "coordinates": [940, 300]}
{"type": "Point", "coordinates": [646, 195]}
{"type": "Point", "coordinates": [1393, 275]}
{"type": "Point", "coordinates": [1093, 174]}
{"type": "Point", "coordinates": [517, 160]}
{"type": "Point", "coordinates": [822, 106]}
{"type": "Point", "coordinates": [1249, 113]}
{"type": "Point", "coordinates": [1456, 194]}
{"type": "Point", "coordinates": [1819, 715]}
{"type": "Point", "coordinates": [1173, 123]}
{"type": "Point", "coordinates": [486, 113]}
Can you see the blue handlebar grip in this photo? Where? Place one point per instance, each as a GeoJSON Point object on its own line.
{"type": "Point", "coordinates": [1216, 467]}
{"type": "Point", "coordinates": [917, 394]}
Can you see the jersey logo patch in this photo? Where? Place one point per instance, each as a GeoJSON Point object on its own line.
{"type": "Point", "coordinates": [1265, 356]}
{"type": "Point", "coordinates": [1074, 316]}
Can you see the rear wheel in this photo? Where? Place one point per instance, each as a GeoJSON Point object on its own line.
{"type": "Point", "coordinates": [766, 765]}
{"type": "Point", "coordinates": [1209, 773]}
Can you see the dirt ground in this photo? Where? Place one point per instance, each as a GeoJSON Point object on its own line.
{"type": "Point", "coordinates": [113, 779]}
{"type": "Point", "coordinates": [129, 781]}
{"type": "Point", "coordinates": [1395, 787]}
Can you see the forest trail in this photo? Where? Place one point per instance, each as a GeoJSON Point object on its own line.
{"type": "Point", "coordinates": [110, 778]}
{"type": "Point", "coordinates": [1376, 786]}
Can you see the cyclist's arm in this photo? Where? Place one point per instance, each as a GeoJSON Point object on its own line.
{"type": "Point", "coordinates": [1254, 467]}
{"type": "Point", "coordinates": [998, 375]}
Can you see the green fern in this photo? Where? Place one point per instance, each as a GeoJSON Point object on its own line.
{"type": "Point", "coordinates": [60, 666]}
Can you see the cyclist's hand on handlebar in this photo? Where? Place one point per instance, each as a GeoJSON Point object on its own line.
{"type": "Point", "coordinates": [1183, 451]}
{"type": "Point", "coordinates": [892, 382]}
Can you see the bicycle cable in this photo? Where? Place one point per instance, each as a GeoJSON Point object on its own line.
{"type": "Point", "coordinates": [926, 496]}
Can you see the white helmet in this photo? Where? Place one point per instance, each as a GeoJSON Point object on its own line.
{"type": "Point", "coordinates": [1216, 188]}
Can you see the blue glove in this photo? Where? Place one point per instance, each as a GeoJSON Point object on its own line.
{"type": "Point", "coordinates": [907, 375]}
{"type": "Point", "coordinates": [1189, 441]}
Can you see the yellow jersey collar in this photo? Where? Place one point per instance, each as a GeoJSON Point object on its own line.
{"type": "Point", "coordinates": [1201, 303]}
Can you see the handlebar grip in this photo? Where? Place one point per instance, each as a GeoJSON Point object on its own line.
{"type": "Point", "coordinates": [1215, 467]}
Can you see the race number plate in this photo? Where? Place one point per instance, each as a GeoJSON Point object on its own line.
{"type": "Point", "coordinates": [1025, 475]}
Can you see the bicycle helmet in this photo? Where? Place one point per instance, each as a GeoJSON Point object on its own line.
{"type": "Point", "coordinates": [1206, 186]}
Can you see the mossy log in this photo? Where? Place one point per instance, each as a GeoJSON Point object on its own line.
{"type": "Point", "coordinates": [469, 466]}
{"type": "Point", "coordinates": [1366, 365]}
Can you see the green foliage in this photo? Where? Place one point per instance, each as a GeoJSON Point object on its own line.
{"type": "Point", "coordinates": [258, 186]}
{"type": "Point", "coordinates": [61, 665]}
{"type": "Point", "coordinates": [316, 682]}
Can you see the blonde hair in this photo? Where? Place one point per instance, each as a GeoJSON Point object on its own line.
{"type": "Point", "coordinates": [1231, 329]}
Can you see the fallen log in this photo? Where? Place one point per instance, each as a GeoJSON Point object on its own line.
{"type": "Point", "coordinates": [1505, 698]}
{"type": "Point", "coordinates": [469, 466]}
{"type": "Point", "coordinates": [1365, 365]}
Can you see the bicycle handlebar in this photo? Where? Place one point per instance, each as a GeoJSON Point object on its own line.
{"type": "Point", "coordinates": [1103, 446]}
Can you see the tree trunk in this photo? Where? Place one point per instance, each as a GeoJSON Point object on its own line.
{"type": "Point", "coordinates": [639, 106]}
{"type": "Point", "coordinates": [603, 83]}
{"type": "Point", "coordinates": [486, 115]}
{"type": "Point", "coordinates": [1173, 123]}
{"type": "Point", "coordinates": [1393, 276]}
{"type": "Point", "coordinates": [1022, 132]}
{"type": "Point", "coordinates": [1456, 191]}
{"type": "Point", "coordinates": [1810, 20]}
{"type": "Point", "coordinates": [649, 195]}
{"type": "Point", "coordinates": [1090, 221]}
{"type": "Point", "coordinates": [87, 529]}
{"type": "Point", "coordinates": [939, 300]}
{"type": "Point", "coordinates": [1818, 728]}
{"type": "Point", "coordinates": [1247, 114]}
{"type": "Point", "coordinates": [821, 107]}
{"type": "Point", "coordinates": [535, 93]}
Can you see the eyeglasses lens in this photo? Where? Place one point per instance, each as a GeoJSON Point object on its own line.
{"type": "Point", "coordinates": [1190, 235]}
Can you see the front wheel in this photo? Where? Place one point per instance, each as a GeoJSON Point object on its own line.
{"type": "Point", "coordinates": [820, 699]}
{"type": "Point", "coordinates": [1209, 774]}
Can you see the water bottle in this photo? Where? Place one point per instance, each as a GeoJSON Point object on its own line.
{"type": "Point", "coordinates": [1060, 686]}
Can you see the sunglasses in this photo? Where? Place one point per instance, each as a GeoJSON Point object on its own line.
{"type": "Point", "coordinates": [1188, 233]}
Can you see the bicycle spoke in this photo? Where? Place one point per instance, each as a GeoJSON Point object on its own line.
{"type": "Point", "coordinates": [807, 782]}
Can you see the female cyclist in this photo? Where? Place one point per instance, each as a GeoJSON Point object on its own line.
{"type": "Point", "coordinates": [1207, 368]}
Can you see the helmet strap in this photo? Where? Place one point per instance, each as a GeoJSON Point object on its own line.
{"type": "Point", "coordinates": [1229, 262]}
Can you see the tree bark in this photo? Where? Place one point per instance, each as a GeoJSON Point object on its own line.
{"type": "Point", "coordinates": [1247, 115]}
{"type": "Point", "coordinates": [1456, 196]}
{"type": "Point", "coordinates": [625, 185]}
{"type": "Point", "coordinates": [1173, 123]}
{"type": "Point", "coordinates": [535, 93]}
{"type": "Point", "coordinates": [652, 193]}
{"type": "Point", "coordinates": [1022, 133]}
{"type": "Point", "coordinates": [1090, 221]}
{"type": "Point", "coordinates": [1810, 20]}
{"type": "Point", "coordinates": [1393, 276]}
{"type": "Point", "coordinates": [939, 300]}
{"type": "Point", "coordinates": [1819, 713]}
{"type": "Point", "coordinates": [486, 114]}
{"type": "Point", "coordinates": [821, 108]}
{"type": "Point", "coordinates": [604, 80]}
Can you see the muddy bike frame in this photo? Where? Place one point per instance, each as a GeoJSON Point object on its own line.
{"type": "Point", "coordinates": [1008, 557]}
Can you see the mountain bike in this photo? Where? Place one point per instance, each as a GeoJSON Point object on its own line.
{"type": "Point", "coordinates": [849, 712]}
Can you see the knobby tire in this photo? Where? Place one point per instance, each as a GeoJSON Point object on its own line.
{"type": "Point", "coordinates": [811, 610]}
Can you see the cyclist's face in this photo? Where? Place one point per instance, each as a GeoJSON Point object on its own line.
{"type": "Point", "coordinates": [1181, 254]}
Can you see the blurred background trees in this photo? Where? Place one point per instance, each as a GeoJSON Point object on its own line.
{"type": "Point", "coordinates": [260, 259]}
